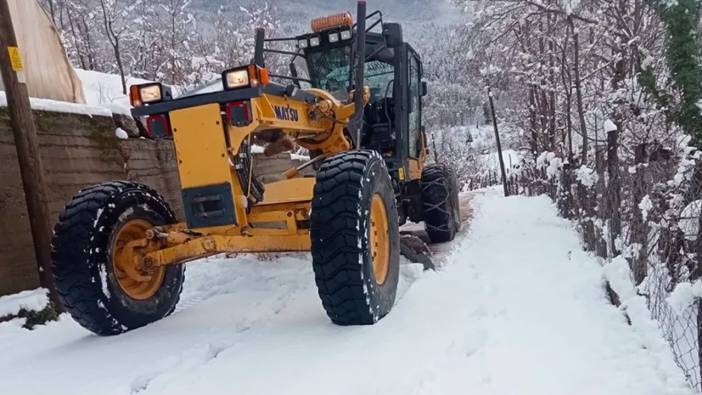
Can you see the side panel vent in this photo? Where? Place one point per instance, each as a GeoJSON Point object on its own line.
{"type": "Point", "coordinates": [209, 206]}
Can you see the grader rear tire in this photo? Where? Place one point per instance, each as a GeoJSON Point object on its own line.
{"type": "Point", "coordinates": [442, 217]}
{"type": "Point", "coordinates": [355, 238]}
{"type": "Point", "coordinates": [99, 286]}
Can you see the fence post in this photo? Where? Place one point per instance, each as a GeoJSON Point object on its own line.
{"type": "Point", "coordinates": [599, 243]}
{"type": "Point", "coordinates": [613, 189]}
{"type": "Point", "coordinates": [565, 197]}
{"type": "Point", "coordinates": [692, 194]}
{"type": "Point", "coordinates": [639, 229]}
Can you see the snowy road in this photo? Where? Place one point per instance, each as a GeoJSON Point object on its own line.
{"type": "Point", "coordinates": [518, 309]}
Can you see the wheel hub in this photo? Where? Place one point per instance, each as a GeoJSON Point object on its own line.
{"type": "Point", "coordinates": [379, 240]}
{"type": "Point", "coordinates": [135, 280]}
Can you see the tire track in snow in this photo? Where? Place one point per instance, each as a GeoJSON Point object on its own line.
{"type": "Point", "coordinates": [172, 367]}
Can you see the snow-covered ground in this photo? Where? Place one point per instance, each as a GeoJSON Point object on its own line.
{"type": "Point", "coordinates": [518, 309]}
{"type": "Point", "coordinates": [32, 300]}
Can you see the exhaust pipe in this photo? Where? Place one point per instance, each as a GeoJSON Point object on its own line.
{"type": "Point", "coordinates": [259, 59]}
{"type": "Point", "coordinates": [357, 119]}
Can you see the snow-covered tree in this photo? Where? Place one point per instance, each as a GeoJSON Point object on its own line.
{"type": "Point", "coordinates": [116, 17]}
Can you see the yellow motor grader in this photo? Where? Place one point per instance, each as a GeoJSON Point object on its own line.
{"type": "Point", "coordinates": [352, 99]}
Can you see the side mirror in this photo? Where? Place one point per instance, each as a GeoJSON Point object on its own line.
{"type": "Point", "coordinates": [425, 89]}
{"type": "Point", "coordinates": [393, 34]}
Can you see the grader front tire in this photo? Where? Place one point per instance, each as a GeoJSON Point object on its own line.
{"type": "Point", "coordinates": [99, 287]}
{"type": "Point", "coordinates": [355, 238]}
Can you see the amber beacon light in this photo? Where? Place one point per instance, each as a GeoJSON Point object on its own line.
{"type": "Point", "coordinates": [343, 19]}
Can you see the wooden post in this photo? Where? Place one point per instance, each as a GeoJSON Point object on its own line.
{"type": "Point", "coordinates": [25, 134]}
{"type": "Point", "coordinates": [499, 144]}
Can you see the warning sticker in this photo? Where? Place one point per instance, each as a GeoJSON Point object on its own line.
{"type": "Point", "coordinates": [15, 59]}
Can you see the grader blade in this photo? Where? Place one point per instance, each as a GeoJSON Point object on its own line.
{"type": "Point", "coordinates": [416, 251]}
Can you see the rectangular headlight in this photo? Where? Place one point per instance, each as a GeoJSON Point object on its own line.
{"type": "Point", "coordinates": [250, 76]}
{"type": "Point", "coordinates": [145, 94]}
{"type": "Point", "coordinates": [314, 41]}
{"type": "Point", "coordinates": [334, 37]}
{"type": "Point", "coordinates": [346, 35]}
{"type": "Point", "coordinates": [303, 44]}
{"type": "Point", "coordinates": [236, 79]}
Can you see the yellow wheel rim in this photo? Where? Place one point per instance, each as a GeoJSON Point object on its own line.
{"type": "Point", "coordinates": [136, 282]}
{"type": "Point", "coordinates": [379, 240]}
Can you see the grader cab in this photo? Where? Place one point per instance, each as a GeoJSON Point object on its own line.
{"type": "Point", "coordinates": [352, 98]}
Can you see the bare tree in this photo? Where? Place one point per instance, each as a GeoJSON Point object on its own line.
{"type": "Point", "coordinates": [116, 27]}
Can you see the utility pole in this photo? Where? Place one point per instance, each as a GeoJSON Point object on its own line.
{"type": "Point", "coordinates": [499, 144]}
{"type": "Point", "coordinates": [25, 134]}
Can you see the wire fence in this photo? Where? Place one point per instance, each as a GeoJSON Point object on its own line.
{"type": "Point", "coordinates": [646, 209]}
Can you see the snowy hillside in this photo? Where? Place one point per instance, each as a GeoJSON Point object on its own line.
{"type": "Point", "coordinates": [530, 319]}
{"type": "Point", "coordinates": [439, 11]}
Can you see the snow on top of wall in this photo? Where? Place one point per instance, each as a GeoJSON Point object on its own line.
{"type": "Point", "coordinates": [103, 95]}
{"type": "Point", "coordinates": [34, 300]}
{"type": "Point", "coordinates": [105, 90]}
{"type": "Point", "coordinates": [62, 106]}
{"type": "Point", "coordinates": [121, 134]}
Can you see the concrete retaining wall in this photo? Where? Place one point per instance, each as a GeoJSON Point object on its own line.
{"type": "Point", "coordinates": [79, 151]}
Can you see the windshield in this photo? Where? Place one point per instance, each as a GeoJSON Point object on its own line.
{"type": "Point", "coordinates": [329, 70]}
